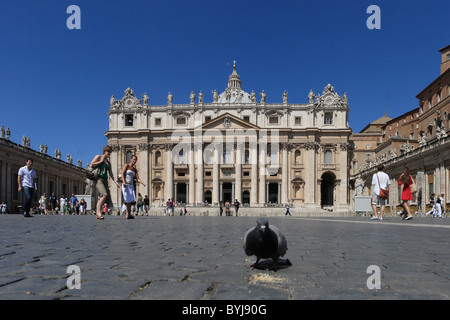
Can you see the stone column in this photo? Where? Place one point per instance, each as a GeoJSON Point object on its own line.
{"type": "Point", "coordinates": [312, 184]}
{"type": "Point", "coordinates": [191, 176]}
{"type": "Point", "coordinates": [169, 172]}
{"type": "Point", "coordinates": [254, 179]}
{"type": "Point", "coordinates": [262, 173]}
{"type": "Point", "coordinates": [144, 170]}
{"type": "Point", "coordinates": [238, 166]}
{"type": "Point", "coordinates": [284, 175]}
{"type": "Point", "coordinates": [199, 163]}
{"type": "Point", "coordinates": [215, 192]}
{"type": "Point", "coordinates": [233, 195]}
{"type": "Point", "coordinates": [115, 192]}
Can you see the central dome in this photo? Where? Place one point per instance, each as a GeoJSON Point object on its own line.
{"type": "Point", "coordinates": [234, 93]}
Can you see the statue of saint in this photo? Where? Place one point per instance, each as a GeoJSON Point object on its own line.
{"type": "Point", "coordinates": [169, 98]}
{"type": "Point", "coordinates": [311, 97]}
{"type": "Point", "coordinates": [253, 96]}
{"type": "Point", "coordinates": [215, 96]}
{"type": "Point", "coordinates": [145, 96]}
{"type": "Point", "coordinates": [285, 96]}
{"type": "Point", "coordinates": [263, 97]}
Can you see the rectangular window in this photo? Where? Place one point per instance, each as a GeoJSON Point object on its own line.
{"type": "Point", "coordinates": [181, 120]}
{"type": "Point", "coordinates": [328, 118]}
{"type": "Point", "coordinates": [328, 159]}
{"type": "Point", "coordinates": [157, 121]}
{"type": "Point", "coordinates": [273, 120]}
{"type": "Point", "coordinates": [298, 121]}
{"type": "Point", "coordinates": [129, 120]}
{"type": "Point", "coordinates": [247, 118]}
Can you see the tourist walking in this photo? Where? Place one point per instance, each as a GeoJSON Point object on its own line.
{"type": "Point", "coordinates": [227, 208]}
{"type": "Point", "coordinates": [288, 212]}
{"type": "Point", "coordinates": [139, 204]}
{"type": "Point", "coordinates": [53, 202]}
{"type": "Point", "coordinates": [26, 180]}
{"type": "Point", "coordinates": [236, 206]}
{"type": "Point", "coordinates": [73, 203]}
{"type": "Point", "coordinates": [62, 204]}
{"type": "Point", "coordinates": [102, 164]}
{"type": "Point", "coordinates": [43, 204]}
{"type": "Point", "coordinates": [146, 204]}
{"type": "Point", "coordinates": [380, 181]}
{"type": "Point", "coordinates": [82, 206]}
{"type": "Point", "coordinates": [169, 205]}
{"type": "Point", "coordinates": [128, 173]}
{"type": "Point", "coordinates": [406, 180]}
{"type": "Point", "coordinates": [433, 206]}
{"type": "Point", "coordinates": [438, 212]}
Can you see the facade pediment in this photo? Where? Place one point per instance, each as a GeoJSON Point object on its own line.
{"type": "Point", "coordinates": [228, 121]}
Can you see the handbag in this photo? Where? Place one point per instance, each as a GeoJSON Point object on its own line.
{"type": "Point", "coordinates": [384, 194]}
{"type": "Point", "coordinates": [92, 173]}
{"type": "Point", "coordinates": [413, 186]}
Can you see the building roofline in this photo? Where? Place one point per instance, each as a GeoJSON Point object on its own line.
{"type": "Point", "coordinates": [444, 48]}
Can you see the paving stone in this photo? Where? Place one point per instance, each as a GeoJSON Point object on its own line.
{"type": "Point", "coordinates": [201, 258]}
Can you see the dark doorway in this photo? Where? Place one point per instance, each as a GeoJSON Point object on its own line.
{"type": "Point", "coordinates": [208, 196]}
{"type": "Point", "coordinates": [327, 189]}
{"type": "Point", "coordinates": [246, 197]}
{"type": "Point", "coordinates": [273, 192]}
{"type": "Point", "coordinates": [226, 192]}
{"type": "Point", "coordinates": [181, 192]}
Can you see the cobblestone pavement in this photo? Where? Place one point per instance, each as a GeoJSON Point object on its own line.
{"type": "Point", "coordinates": [202, 258]}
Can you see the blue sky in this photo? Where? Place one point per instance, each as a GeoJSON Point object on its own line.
{"type": "Point", "coordinates": [56, 83]}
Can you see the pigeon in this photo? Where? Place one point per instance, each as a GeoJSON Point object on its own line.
{"type": "Point", "coordinates": [265, 241]}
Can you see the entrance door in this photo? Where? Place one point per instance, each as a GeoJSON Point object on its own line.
{"type": "Point", "coordinates": [226, 192]}
{"type": "Point", "coordinates": [181, 192]}
{"type": "Point", "coordinates": [327, 189]}
{"type": "Point", "coordinates": [246, 197]}
{"type": "Point", "coordinates": [273, 192]}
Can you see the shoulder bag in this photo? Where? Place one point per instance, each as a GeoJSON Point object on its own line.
{"type": "Point", "coordinates": [384, 194]}
{"type": "Point", "coordinates": [413, 186]}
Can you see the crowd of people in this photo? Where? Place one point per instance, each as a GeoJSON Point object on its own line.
{"type": "Point", "coordinates": [63, 205]}
{"type": "Point", "coordinates": [381, 182]}
{"type": "Point", "coordinates": [129, 176]}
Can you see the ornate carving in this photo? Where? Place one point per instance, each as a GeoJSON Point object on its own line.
{"type": "Point", "coordinates": [227, 122]}
{"type": "Point", "coordinates": [115, 147]}
{"type": "Point", "coordinates": [143, 146]}
{"type": "Point", "coordinates": [312, 145]}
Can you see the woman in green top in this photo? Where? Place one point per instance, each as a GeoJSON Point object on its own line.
{"type": "Point", "coordinates": [103, 163]}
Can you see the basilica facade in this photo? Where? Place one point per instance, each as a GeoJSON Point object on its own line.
{"type": "Point", "coordinates": [235, 146]}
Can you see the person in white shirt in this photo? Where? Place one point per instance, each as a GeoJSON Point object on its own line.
{"type": "Point", "coordinates": [26, 180]}
{"type": "Point", "coordinates": [379, 180]}
{"type": "Point", "coordinates": [62, 204]}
